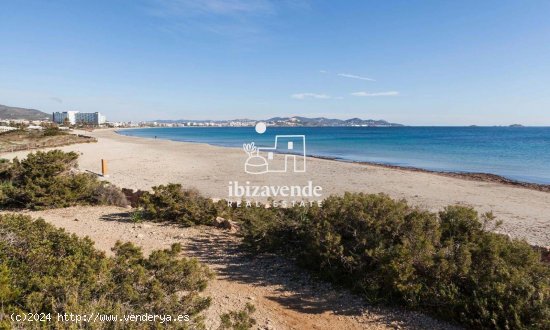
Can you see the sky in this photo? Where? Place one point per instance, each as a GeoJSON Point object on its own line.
{"type": "Point", "coordinates": [410, 62]}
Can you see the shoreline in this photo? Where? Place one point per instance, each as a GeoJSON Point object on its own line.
{"type": "Point", "coordinates": [470, 176]}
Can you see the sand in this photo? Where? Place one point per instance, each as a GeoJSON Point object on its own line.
{"type": "Point", "coordinates": [141, 163]}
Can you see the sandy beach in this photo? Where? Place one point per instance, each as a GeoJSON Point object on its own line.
{"type": "Point", "coordinates": [141, 163]}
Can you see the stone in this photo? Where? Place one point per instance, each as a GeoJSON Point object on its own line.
{"type": "Point", "coordinates": [223, 223]}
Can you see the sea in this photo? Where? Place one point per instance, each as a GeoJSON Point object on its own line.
{"type": "Point", "coordinates": [516, 153]}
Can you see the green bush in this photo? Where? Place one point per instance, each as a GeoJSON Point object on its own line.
{"type": "Point", "coordinates": [238, 320]}
{"type": "Point", "coordinates": [45, 270]}
{"type": "Point", "coordinates": [48, 180]}
{"type": "Point", "coordinates": [447, 264]}
{"type": "Point", "coordinates": [175, 204]}
{"type": "Point", "coordinates": [53, 131]}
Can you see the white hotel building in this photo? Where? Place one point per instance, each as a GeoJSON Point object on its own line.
{"type": "Point", "coordinates": [75, 117]}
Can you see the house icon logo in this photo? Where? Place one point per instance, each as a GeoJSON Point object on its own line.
{"type": "Point", "coordinates": [287, 154]}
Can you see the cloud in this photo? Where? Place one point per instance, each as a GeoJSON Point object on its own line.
{"type": "Point", "coordinates": [323, 71]}
{"type": "Point", "coordinates": [389, 93]}
{"type": "Point", "coordinates": [302, 96]}
{"type": "Point", "coordinates": [353, 76]}
{"type": "Point", "coordinates": [56, 99]}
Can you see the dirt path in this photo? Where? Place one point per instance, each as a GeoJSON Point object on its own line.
{"type": "Point", "coordinates": [285, 296]}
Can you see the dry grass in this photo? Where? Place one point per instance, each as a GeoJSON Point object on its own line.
{"type": "Point", "coordinates": [28, 140]}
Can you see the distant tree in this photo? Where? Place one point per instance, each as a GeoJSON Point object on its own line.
{"type": "Point", "coordinates": [52, 131]}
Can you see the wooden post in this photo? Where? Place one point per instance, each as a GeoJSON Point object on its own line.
{"type": "Point", "coordinates": [103, 167]}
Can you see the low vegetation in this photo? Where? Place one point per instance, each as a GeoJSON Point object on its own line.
{"type": "Point", "coordinates": [53, 131]}
{"type": "Point", "coordinates": [49, 180]}
{"type": "Point", "coordinates": [175, 204]}
{"type": "Point", "coordinates": [238, 320]}
{"type": "Point", "coordinates": [448, 264]}
{"type": "Point", "coordinates": [45, 270]}
{"type": "Point", "coordinates": [49, 137]}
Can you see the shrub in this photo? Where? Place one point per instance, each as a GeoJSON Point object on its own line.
{"type": "Point", "coordinates": [183, 206]}
{"type": "Point", "coordinates": [53, 131]}
{"type": "Point", "coordinates": [44, 269]}
{"type": "Point", "coordinates": [136, 217]}
{"type": "Point", "coordinates": [447, 264]}
{"type": "Point", "coordinates": [238, 320]}
{"type": "Point", "coordinates": [487, 280]}
{"type": "Point", "coordinates": [48, 179]}
{"type": "Point", "coordinates": [108, 194]}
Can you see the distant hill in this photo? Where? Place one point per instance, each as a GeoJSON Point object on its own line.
{"type": "Point", "coordinates": [322, 121]}
{"type": "Point", "coordinates": [297, 121]}
{"type": "Point", "coordinates": [7, 112]}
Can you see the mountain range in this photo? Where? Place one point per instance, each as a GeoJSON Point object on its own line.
{"type": "Point", "coordinates": [298, 121]}
{"type": "Point", "coordinates": [7, 112]}
{"type": "Point", "coordinates": [322, 121]}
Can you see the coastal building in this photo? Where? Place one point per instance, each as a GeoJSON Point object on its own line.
{"type": "Point", "coordinates": [62, 117]}
{"type": "Point", "coordinates": [75, 117]}
{"type": "Point", "coordinates": [93, 118]}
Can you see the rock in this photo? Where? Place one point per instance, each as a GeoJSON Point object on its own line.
{"type": "Point", "coordinates": [140, 236]}
{"type": "Point", "coordinates": [230, 225]}
{"type": "Point", "coordinates": [219, 221]}
{"type": "Point", "coordinates": [75, 219]}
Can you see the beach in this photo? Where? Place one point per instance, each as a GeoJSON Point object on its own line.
{"type": "Point", "coordinates": [141, 163]}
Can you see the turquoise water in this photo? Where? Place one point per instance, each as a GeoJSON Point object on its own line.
{"type": "Point", "coordinates": [519, 153]}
